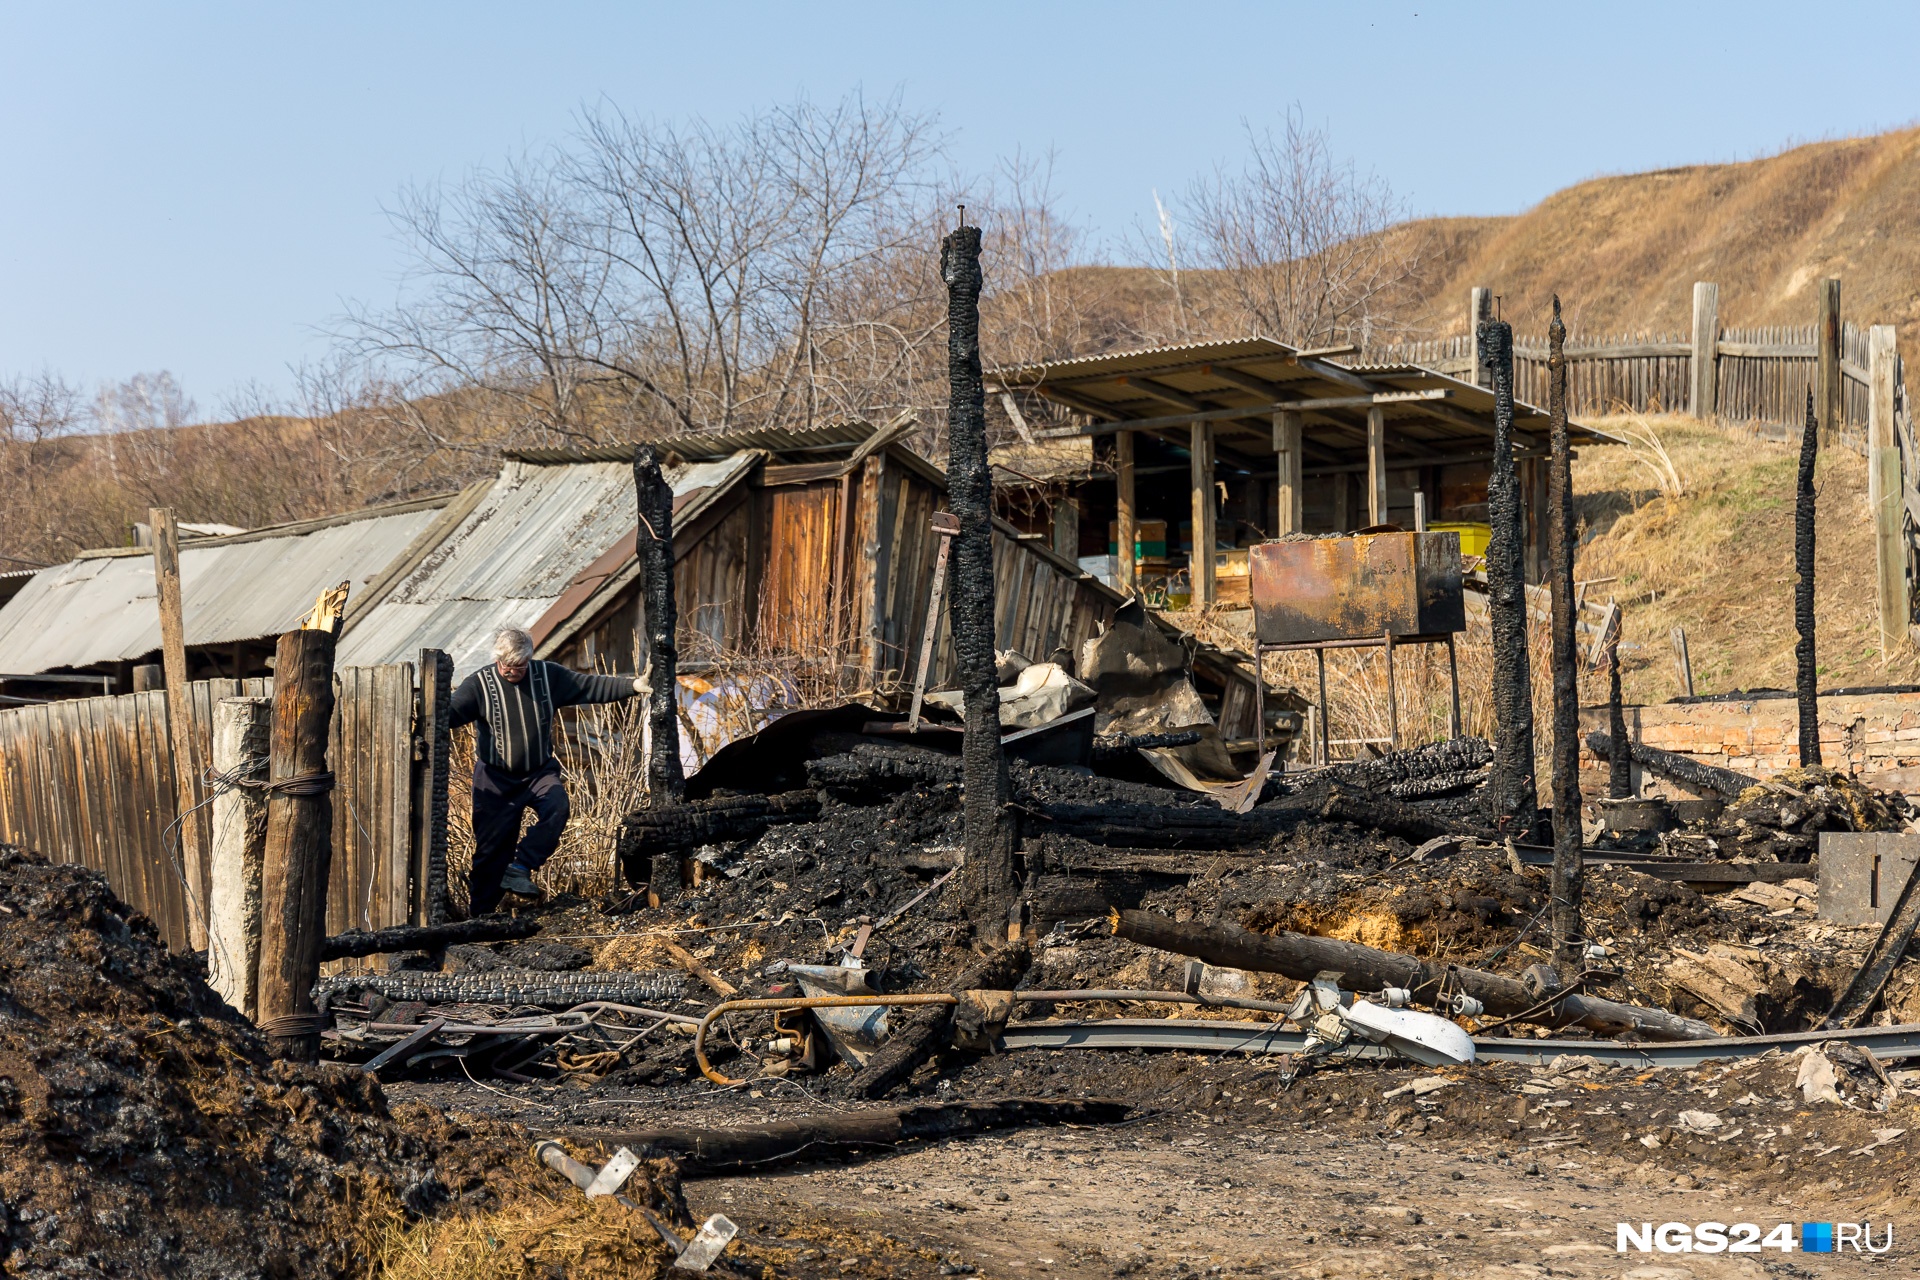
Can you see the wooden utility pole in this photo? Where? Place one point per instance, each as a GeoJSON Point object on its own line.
{"type": "Point", "coordinates": [186, 762]}
{"type": "Point", "coordinates": [1706, 349]}
{"type": "Point", "coordinates": [986, 877]}
{"type": "Point", "coordinates": [1884, 489]}
{"type": "Point", "coordinates": [1826, 372]}
{"type": "Point", "coordinates": [666, 779]}
{"type": "Point", "coordinates": [1568, 929]}
{"type": "Point", "coordinates": [1682, 661]}
{"type": "Point", "coordinates": [299, 846]}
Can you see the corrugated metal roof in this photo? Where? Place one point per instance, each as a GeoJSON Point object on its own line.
{"type": "Point", "coordinates": [1143, 360]}
{"type": "Point", "coordinates": [711, 446]}
{"type": "Point", "coordinates": [514, 555]}
{"type": "Point", "coordinates": [105, 608]}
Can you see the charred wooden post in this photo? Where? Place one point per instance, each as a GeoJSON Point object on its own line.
{"type": "Point", "coordinates": [1620, 758]}
{"type": "Point", "coordinates": [919, 1031]}
{"type": "Point", "coordinates": [435, 707]}
{"type": "Point", "coordinates": [1511, 789]}
{"type": "Point", "coordinates": [1806, 670]}
{"type": "Point", "coordinates": [1567, 926]}
{"type": "Point", "coordinates": [987, 880]}
{"type": "Point", "coordinates": [299, 847]}
{"type": "Point", "coordinates": [666, 781]}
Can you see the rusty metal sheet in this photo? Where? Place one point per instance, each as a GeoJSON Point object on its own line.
{"type": "Point", "coordinates": [1368, 585]}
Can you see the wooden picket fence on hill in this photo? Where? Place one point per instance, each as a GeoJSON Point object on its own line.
{"type": "Point", "coordinates": [1761, 375]}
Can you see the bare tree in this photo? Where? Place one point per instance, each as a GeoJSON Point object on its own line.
{"type": "Point", "coordinates": [1302, 239]}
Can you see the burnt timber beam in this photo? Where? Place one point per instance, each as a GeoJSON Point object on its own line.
{"type": "Point", "coordinates": [1315, 405]}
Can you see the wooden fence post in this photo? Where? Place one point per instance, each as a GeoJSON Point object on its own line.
{"type": "Point", "coordinates": [1376, 465]}
{"type": "Point", "coordinates": [186, 764]}
{"type": "Point", "coordinates": [1479, 311]}
{"type": "Point", "coordinates": [1826, 371]}
{"type": "Point", "coordinates": [1884, 488]}
{"type": "Point", "coordinates": [242, 736]}
{"type": "Point", "coordinates": [429, 896]}
{"type": "Point", "coordinates": [299, 848]}
{"type": "Point", "coordinates": [1706, 348]}
{"type": "Point", "coordinates": [1682, 661]}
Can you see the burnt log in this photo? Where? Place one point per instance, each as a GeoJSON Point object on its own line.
{"type": "Point", "coordinates": [666, 779]}
{"type": "Point", "coordinates": [1392, 817]}
{"type": "Point", "coordinates": [1155, 826]}
{"type": "Point", "coordinates": [426, 937]}
{"type": "Point", "coordinates": [1668, 764]}
{"type": "Point", "coordinates": [760, 1146]}
{"type": "Point", "coordinates": [919, 1030]}
{"type": "Point", "coordinates": [1619, 755]}
{"type": "Point", "coordinates": [868, 773]}
{"type": "Point", "coordinates": [1437, 769]}
{"type": "Point", "coordinates": [680, 828]}
{"type": "Point", "coordinates": [1302, 956]}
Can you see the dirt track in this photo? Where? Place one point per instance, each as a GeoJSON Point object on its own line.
{"type": "Point", "coordinates": [1161, 1199]}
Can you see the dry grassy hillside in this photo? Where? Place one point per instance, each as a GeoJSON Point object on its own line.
{"type": "Point", "coordinates": [1718, 559]}
{"type": "Point", "coordinates": [1623, 252]}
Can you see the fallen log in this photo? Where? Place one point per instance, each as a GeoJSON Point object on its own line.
{"type": "Point", "coordinates": [1667, 764]}
{"type": "Point", "coordinates": [1393, 817]}
{"type": "Point", "coordinates": [426, 937]}
{"type": "Point", "coordinates": [1439, 768]}
{"type": "Point", "coordinates": [1169, 826]}
{"type": "Point", "coordinates": [1301, 956]}
{"type": "Point", "coordinates": [918, 1031]}
{"type": "Point", "coordinates": [712, 1151]}
{"type": "Point", "coordinates": [683, 827]}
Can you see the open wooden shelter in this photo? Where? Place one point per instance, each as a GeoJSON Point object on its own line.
{"type": "Point", "coordinates": [1235, 442]}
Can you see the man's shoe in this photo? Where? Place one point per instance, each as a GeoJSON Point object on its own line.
{"type": "Point", "coordinates": [518, 880]}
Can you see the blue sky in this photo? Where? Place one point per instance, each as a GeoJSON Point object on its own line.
{"type": "Point", "coordinates": [199, 187]}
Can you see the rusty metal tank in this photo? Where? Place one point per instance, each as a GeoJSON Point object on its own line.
{"type": "Point", "coordinates": [1358, 587]}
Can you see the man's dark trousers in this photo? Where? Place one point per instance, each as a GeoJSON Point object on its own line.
{"type": "Point", "coordinates": [498, 801]}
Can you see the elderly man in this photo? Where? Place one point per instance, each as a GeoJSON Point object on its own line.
{"type": "Point", "coordinates": [514, 701]}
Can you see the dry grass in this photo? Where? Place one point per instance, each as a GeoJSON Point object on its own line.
{"type": "Point", "coordinates": [536, 1237]}
{"type": "Point", "coordinates": [1718, 560]}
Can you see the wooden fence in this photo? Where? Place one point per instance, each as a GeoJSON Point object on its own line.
{"type": "Point", "coordinates": [91, 781]}
{"type": "Point", "coordinates": [1760, 375]}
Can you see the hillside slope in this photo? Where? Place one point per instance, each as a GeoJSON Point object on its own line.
{"type": "Point", "coordinates": [1623, 252]}
{"type": "Point", "coordinates": [1718, 560]}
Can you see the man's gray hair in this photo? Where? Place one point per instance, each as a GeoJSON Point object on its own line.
{"type": "Point", "coordinates": [512, 646]}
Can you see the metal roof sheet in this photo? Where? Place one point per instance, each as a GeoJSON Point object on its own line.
{"type": "Point", "coordinates": [105, 608]}
{"type": "Point", "coordinates": [713, 446]}
{"type": "Point", "coordinates": [539, 526]}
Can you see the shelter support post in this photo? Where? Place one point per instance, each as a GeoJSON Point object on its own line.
{"type": "Point", "coordinates": [186, 764]}
{"type": "Point", "coordinates": [1200, 562]}
{"type": "Point", "coordinates": [1291, 487]}
{"type": "Point", "coordinates": [1376, 465]}
{"type": "Point", "coordinates": [1826, 370]}
{"type": "Point", "coordinates": [1706, 349]}
{"type": "Point", "coordinates": [1883, 488]}
{"type": "Point", "coordinates": [1479, 311]}
{"type": "Point", "coordinates": [1127, 577]}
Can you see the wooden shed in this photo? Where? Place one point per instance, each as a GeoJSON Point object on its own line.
{"type": "Point", "coordinates": [822, 558]}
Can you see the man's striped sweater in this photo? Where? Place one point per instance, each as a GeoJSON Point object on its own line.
{"type": "Point", "coordinates": [516, 719]}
